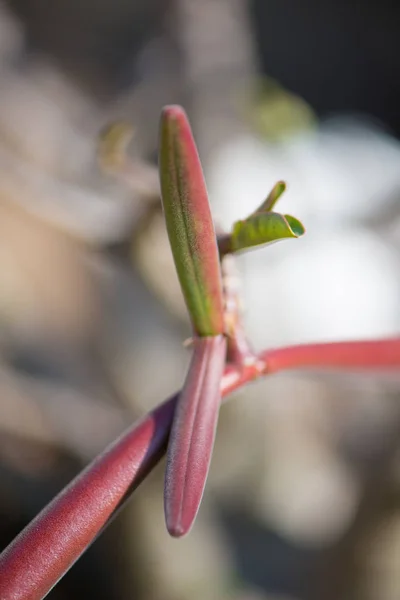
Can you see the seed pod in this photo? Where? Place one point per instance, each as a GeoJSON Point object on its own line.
{"type": "Point", "coordinates": [189, 223]}
{"type": "Point", "coordinates": [193, 433]}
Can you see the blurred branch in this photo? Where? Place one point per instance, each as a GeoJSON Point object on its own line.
{"type": "Point", "coordinates": [139, 176]}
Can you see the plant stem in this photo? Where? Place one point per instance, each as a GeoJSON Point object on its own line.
{"type": "Point", "coordinates": [44, 551]}
{"type": "Point", "coordinates": [224, 244]}
{"type": "Point", "coordinates": [369, 354]}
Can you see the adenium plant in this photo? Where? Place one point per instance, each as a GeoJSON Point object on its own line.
{"type": "Point", "coordinates": [184, 425]}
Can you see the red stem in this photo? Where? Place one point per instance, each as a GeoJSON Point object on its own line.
{"type": "Point", "coordinates": [42, 553]}
{"type": "Point", "coordinates": [371, 354]}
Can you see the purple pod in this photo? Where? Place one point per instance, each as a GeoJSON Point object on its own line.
{"type": "Point", "coordinates": [193, 433]}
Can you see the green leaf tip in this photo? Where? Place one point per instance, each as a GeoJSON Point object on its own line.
{"type": "Point", "coordinates": [295, 225]}
{"type": "Point", "coordinates": [264, 228]}
{"type": "Point", "coordinates": [189, 222]}
{"type": "Point", "coordinates": [272, 198]}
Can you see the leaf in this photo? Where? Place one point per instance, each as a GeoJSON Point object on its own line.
{"type": "Point", "coordinates": [189, 223]}
{"type": "Point", "coordinates": [276, 113]}
{"type": "Point", "coordinates": [113, 143]}
{"type": "Point", "coordinates": [272, 198]}
{"type": "Point", "coordinates": [264, 228]}
{"type": "Point", "coordinates": [193, 433]}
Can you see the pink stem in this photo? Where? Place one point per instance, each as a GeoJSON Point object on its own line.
{"type": "Point", "coordinates": [46, 549]}
{"type": "Point", "coordinates": [42, 553]}
{"type": "Point", "coordinates": [371, 354]}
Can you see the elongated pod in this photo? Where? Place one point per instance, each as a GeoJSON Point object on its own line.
{"type": "Point", "coordinates": [189, 223]}
{"type": "Point", "coordinates": [192, 434]}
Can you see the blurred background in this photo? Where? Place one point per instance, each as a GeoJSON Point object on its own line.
{"type": "Point", "coordinates": [303, 500]}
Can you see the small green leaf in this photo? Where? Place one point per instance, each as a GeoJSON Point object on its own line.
{"type": "Point", "coordinates": [272, 198]}
{"type": "Point", "coordinates": [264, 228]}
{"type": "Point", "coordinates": [114, 140]}
{"type": "Point", "coordinates": [189, 223]}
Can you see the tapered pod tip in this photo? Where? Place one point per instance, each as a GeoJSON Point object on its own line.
{"type": "Point", "coordinates": [178, 530]}
{"type": "Point", "coordinates": [173, 111]}
{"type": "Point", "coordinates": [174, 117]}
